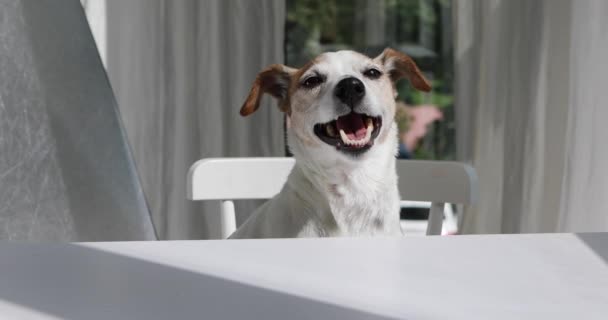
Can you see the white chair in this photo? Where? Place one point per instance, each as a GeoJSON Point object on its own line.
{"type": "Point", "coordinates": [228, 179]}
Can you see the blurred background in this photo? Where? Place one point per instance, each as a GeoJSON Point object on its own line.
{"type": "Point", "coordinates": [105, 104]}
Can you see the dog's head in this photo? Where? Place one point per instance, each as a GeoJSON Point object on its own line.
{"type": "Point", "coordinates": [340, 104]}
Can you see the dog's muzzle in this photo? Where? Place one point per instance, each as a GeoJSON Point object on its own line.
{"type": "Point", "coordinates": [353, 133]}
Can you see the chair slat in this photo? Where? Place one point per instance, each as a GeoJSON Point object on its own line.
{"type": "Point", "coordinates": [237, 178]}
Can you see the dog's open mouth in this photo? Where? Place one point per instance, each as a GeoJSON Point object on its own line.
{"type": "Point", "coordinates": [352, 133]}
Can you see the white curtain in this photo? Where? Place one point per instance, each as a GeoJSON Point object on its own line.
{"type": "Point", "coordinates": [180, 71]}
{"type": "Point", "coordinates": [584, 203]}
{"type": "Point", "coordinates": [530, 97]}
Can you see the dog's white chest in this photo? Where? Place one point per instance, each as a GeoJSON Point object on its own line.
{"type": "Point", "coordinates": [365, 210]}
{"type": "Point", "coordinates": [307, 209]}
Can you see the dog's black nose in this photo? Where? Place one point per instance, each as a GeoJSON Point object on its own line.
{"type": "Point", "coordinates": [350, 91]}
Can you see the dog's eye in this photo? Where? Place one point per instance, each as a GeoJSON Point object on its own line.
{"type": "Point", "coordinates": [312, 82]}
{"type": "Point", "coordinates": [372, 73]}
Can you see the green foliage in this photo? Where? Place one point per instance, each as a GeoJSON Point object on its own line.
{"type": "Point", "coordinates": [435, 97]}
{"type": "Point", "coordinates": [312, 13]}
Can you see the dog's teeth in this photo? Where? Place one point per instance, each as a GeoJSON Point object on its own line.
{"type": "Point", "coordinates": [368, 122]}
{"type": "Point", "coordinates": [330, 130]}
{"type": "Point", "coordinates": [345, 139]}
{"type": "Point", "coordinates": [357, 143]}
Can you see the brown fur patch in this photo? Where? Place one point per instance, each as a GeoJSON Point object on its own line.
{"type": "Point", "coordinates": [296, 76]}
{"type": "Point", "coordinates": [404, 66]}
{"type": "Point", "coordinates": [273, 80]}
{"type": "Point", "coordinates": [277, 80]}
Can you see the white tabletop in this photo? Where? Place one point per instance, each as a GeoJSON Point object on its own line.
{"type": "Point", "coordinates": [560, 276]}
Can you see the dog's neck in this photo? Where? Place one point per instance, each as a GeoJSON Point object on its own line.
{"type": "Point", "coordinates": [357, 197]}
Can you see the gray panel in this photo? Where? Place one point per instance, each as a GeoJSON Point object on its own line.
{"type": "Point", "coordinates": [596, 241]}
{"type": "Point", "coordinates": [66, 173]}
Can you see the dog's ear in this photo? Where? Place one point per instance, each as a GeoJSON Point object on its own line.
{"type": "Point", "coordinates": [273, 80]}
{"type": "Point", "coordinates": [400, 65]}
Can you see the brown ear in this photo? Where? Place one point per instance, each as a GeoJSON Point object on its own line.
{"type": "Point", "coordinates": [273, 80]}
{"type": "Point", "coordinates": [400, 65]}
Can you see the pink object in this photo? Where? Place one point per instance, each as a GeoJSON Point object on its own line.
{"type": "Point", "coordinates": [420, 118]}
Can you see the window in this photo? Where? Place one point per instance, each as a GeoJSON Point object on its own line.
{"type": "Point", "coordinates": [420, 28]}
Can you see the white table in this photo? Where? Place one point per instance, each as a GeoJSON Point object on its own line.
{"type": "Point", "coordinates": [560, 276]}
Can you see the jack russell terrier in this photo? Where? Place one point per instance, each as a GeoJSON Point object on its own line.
{"type": "Point", "coordinates": [341, 130]}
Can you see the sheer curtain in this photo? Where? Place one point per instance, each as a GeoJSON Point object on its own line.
{"type": "Point", "coordinates": [180, 71]}
{"type": "Point", "coordinates": [584, 205]}
{"type": "Point", "coordinates": [529, 106]}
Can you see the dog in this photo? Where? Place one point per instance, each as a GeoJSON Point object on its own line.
{"type": "Point", "coordinates": [340, 112]}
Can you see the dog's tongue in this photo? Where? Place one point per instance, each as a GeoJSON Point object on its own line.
{"type": "Point", "coordinates": [353, 125]}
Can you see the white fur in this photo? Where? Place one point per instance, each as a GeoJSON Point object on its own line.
{"type": "Point", "coordinates": [329, 193]}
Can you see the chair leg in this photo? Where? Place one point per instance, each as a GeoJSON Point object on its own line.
{"type": "Point", "coordinates": [435, 219]}
{"type": "Point", "coordinates": [228, 219]}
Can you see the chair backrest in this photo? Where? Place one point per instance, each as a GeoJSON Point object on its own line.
{"type": "Point", "coordinates": [437, 181]}
{"type": "Point", "coordinates": [237, 178]}
{"type": "Point", "coordinates": [229, 179]}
